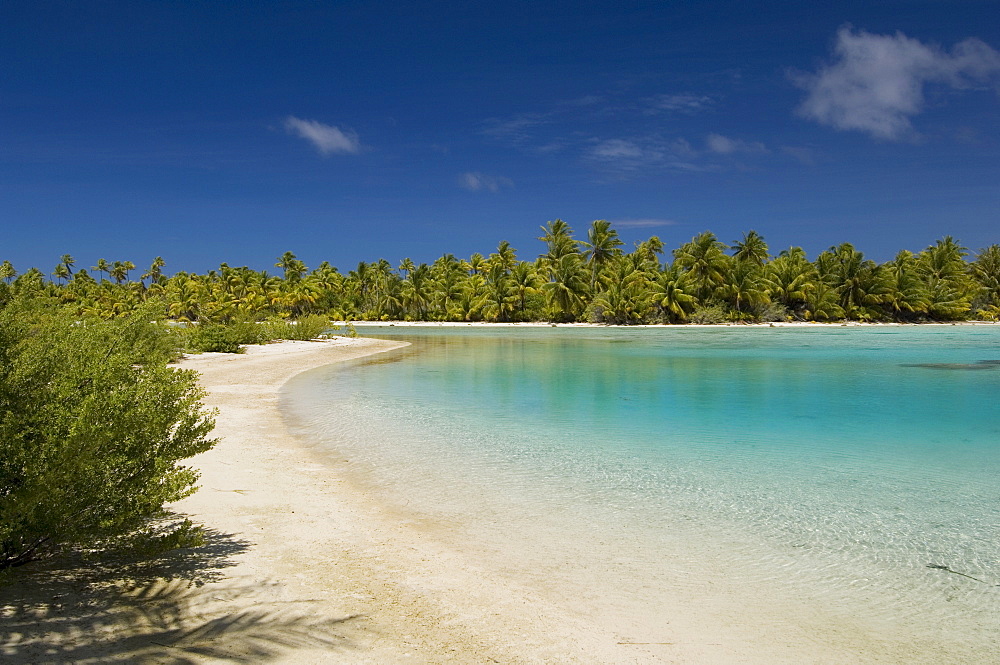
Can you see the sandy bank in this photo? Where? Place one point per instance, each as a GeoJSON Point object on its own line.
{"type": "Point", "coordinates": [384, 592]}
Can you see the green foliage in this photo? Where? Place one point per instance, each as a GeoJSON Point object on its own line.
{"type": "Point", "coordinates": [305, 328]}
{"type": "Point", "coordinates": [772, 312]}
{"type": "Point", "coordinates": [231, 337]}
{"type": "Point", "coordinates": [573, 280]}
{"type": "Point", "coordinates": [215, 337]}
{"type": "Point", "coordinates": [93, 425]}
{"type": "Point", "coordinates": [709, 314]}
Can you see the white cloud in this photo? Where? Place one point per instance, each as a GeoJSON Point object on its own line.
{"type": "Point", "coordinates": [684, 103]}
{"type": "Point", "coordinates": [876, 82]}
{"type": "Point", "coordinates": [726, 146]}
{"type": "Point", "coordinates": [326, 138]}
{"type": "Point", "coordinates": [625, 157]}
{"type": "Point", "coordinates": [642, 223]}
{"type": "Point", "coordinates": [475, 182]}
{"type": "Point", "coordinates": [617, 149]}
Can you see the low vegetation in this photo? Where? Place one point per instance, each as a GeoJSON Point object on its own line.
{"type": "Point", "coordinates": [93, 427]}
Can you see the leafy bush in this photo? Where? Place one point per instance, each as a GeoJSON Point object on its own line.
{"type": "Point", "coordinates": [230, 337]}
{"type": "Point", "coordinates": [709, 314]}
{"type": "Point", "coordinates": [305, 328]}
{"type": "Point", "coordinates": [773, 311]}
{"type": "Point", "coordinates": [92, 426]}
{"type": "Point", "coordinates": [216, 337]}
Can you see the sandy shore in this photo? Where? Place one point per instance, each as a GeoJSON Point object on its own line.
{"type": "Point", "coordinates": [303, 566]}
{"type": "Point", "coordinates": [369, 588]}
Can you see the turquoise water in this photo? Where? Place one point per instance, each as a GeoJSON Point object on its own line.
{"type": "Point", "coordinates": [832, 465]}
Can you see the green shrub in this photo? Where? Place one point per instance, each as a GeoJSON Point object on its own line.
{"type": "Point", "coordinates": [304, 328]}
{"type": "Point", "coordinates": [215, 337]}
{"type": "Point", "coordinates": [93, 425]}
{"type": "Point", "coordinates": [773, 311]}
{"type": "Point", "coordinates": [709, 314]}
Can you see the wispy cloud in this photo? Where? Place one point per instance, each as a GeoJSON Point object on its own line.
{"type": "Point", "coordinates": [682, 103]}
{"type": "Point", "coordinates": [615, 149]}
{"type": "Point", "coordinates": [325, 138]}
{"type": "Point", "coordinates": [800, 154]}
{"type": "Point", "coordinates": [476, 182]}
{"type": "Point", "coordinates": [642, 223]}
{"type": "Point", "coordinates": [723, 145]}
{"type": "Point", "coordinates": [876, 82]}
{"type": "Point", "coordinates": [640, 144]}
{"type": "Point", "coordinates": [625, 157]}
{"type": "Point", "coordinates": [517, 129]}
{"type": "Point", "coordinates": [629, 156]}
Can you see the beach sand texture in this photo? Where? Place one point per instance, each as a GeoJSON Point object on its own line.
{"type": "Point", "coordinates": [305, 566]}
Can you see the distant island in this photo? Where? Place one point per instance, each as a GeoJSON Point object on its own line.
{"type": "Point", "coordinates": [592, 280]}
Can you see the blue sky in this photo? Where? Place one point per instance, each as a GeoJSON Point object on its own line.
{"type": "Point", "coordinates": [211, 132]}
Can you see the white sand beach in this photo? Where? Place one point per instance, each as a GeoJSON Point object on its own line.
{"type": "Point", "coordinates": [309, 567]}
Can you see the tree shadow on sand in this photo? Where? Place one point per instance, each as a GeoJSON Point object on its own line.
{"type": "Point", "coordinates": [169, 610]}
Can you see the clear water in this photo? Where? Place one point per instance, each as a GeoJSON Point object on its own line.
{"type": "Point", "coordinates": [832, 465]}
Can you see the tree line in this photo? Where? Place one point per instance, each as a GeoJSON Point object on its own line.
{"type": "Point", "coordinates": [593, 280]}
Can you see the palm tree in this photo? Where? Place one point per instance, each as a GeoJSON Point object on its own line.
{"type": "Point", "coordinates": [822, 303]}
{"type": "Point", "coordinates": [406, 266]}
{"type": "Point", "coordinates": [7, 271]}
{"type": "Point", "coordinates": [650, 250]}
{"type": "Point", "coordinates": [947, 277]}
{"type": "Point", "coordinates": [102, 267]}
{"type": "Point", "coordinates": [155, 269]}
{"type": "Point", "coordinates": [704, 262]}
{"type": "Point", "coordinates": [499, 299]}
{"type": "Point", "coordinates": [671, 294]}
{"type": "Point", "coordinates": [567, 287]}
{"type": "Point", "coordinates": [751, 248]}
{"type": "Point", "coordinates": [471, 300]}
{"type": "Point", "coordinates": [986, 271]}
{"type": "Point", "coordinates": [294, 269]}
{"type": "Point", "coordinates": [525, 282]}
{"type": "Point", "coordinates": [69, 262]}
{"type": "Point", "coordinates": [855, 278]}
{"type": "Point", "coordinates": [905, 293]}
{"type": "Point", "coordinates": [416, 291]}
{"type": "Point", "coordinates": [61, 272]}
{"type": "Point", "coordinates": [449, 277]}
{"type": "Point", "coordinates": [558, 238]}
{"type": "Point", "coordinates": [118, 272]}
{"type": "Point", "coordinates": [602, 244]}
{"type": "Point", "coordinates": [790, 279]}
{"type": "Point", "coordinates": [505, 255]}
{"type": "Point", "coordinates": [31, 281]}
{"type": "Point", "coordinates": [476, 263]}
{"type": "Point", "coordinates": [330, 283]}
{"type": "Point", "coordinates": [626, 296]}
{"type": "Point", "coordinates": [299, 297]}
{"type": "Point", "coordinates": [744, 288]}
{"type": "Point", "coordinates": [387, 286]}
{"type": "Point", "coordinates": [944, 260]}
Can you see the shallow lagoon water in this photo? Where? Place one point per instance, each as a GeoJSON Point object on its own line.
{"type": "Point", "coordinates": [855, 469]}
